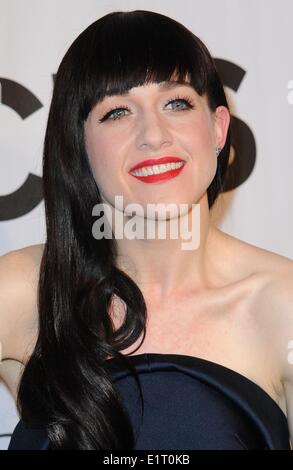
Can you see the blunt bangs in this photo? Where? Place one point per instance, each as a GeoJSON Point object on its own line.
{"type": "Point", "coordinates": [130, 52]}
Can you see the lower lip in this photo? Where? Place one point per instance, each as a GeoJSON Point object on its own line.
{"type": "Point", "coordinates": [167, 175]}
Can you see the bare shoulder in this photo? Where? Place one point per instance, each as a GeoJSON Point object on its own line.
{"type": "Point", "coordinates": [19, 273]}
{"type": "Point", "coordinates": [271, 275]}
{"type": "Point", "coordinates": [272, 292]}
{"type": "Point", "coordinates": [275, 314]}
{"type": "Point", "coordinates": [251, 258]}
{"type": "Point", "coordinates": [266, 280]}
{"type": "Point", "coordinates": [31, 252]}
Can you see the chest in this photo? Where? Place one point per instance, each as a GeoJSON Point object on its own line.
{"type": "Point", "coordinates": [229, 334]}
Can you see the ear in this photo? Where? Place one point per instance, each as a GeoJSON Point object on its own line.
{"type": "Point", "coordinates": [221, 125]}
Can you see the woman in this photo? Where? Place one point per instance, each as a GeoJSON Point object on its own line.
{"type": "Point", "coordinates": [139, 343]}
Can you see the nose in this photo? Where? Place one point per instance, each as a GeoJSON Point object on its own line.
{"type": "Point", "coordinates": [153, 131]}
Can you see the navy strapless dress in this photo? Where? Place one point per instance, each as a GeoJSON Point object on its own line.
{"type": "Point", "coordinates": [190, 404]}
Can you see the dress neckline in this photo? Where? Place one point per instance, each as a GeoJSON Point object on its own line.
{"type": "Point", "coordinates": [145, 357]}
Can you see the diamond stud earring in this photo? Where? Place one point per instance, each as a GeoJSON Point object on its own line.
{"type": "Point", "coordinates": [218, 151]}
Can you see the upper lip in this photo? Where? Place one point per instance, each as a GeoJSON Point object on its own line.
{"type": "Point", "coordinates": [156, 161]}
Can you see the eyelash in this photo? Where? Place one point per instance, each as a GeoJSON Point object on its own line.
{"type": "Point", "coordinates": [176, 98]}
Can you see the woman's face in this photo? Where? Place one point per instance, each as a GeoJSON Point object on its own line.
{"type": "Point", "coordinates": [154, 121]}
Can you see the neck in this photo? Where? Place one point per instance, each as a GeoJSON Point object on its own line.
{"type": "Point", "coordinates": [162, 268]}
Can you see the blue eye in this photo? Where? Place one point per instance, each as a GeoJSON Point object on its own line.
{"type": "Point", "coordinates": [182, 100]}
{"type": "Point", "coordinates": [114, 111]}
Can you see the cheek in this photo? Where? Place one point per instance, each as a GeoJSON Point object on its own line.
{"type": "Point", "coordinates": [103, 162]}
{"type": "Point", "coordinates": [202, 134]}
{"type": "Point", "coordinates": [198, 142]}
{"type": "Point", "coordinates": [99, 155]}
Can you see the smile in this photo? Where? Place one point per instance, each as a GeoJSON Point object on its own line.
{"type": "Point", "coordinates": [154, 173]}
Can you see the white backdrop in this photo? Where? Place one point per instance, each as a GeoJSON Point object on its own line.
{"type": "Point", "coordinates": [255, 36]}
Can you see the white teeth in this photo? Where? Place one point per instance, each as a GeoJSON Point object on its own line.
{"type": "Point", "coordinates": [157, 169]}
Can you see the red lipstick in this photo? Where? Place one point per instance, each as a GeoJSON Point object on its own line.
{"type": "Point", "coordinates": [157, 161]}
{"type": "Point", "coordinates": [154, 178]}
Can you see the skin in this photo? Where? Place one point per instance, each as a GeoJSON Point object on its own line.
{"type": "Point", "coordinates": [172, 280]}
{"type": "Point", "coordinates": [229, 300]}
{"type": "Point", "coordinates": [159, 266]}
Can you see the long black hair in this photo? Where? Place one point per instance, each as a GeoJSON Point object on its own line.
{"type": "Point", "coordinates": [65, 385]}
